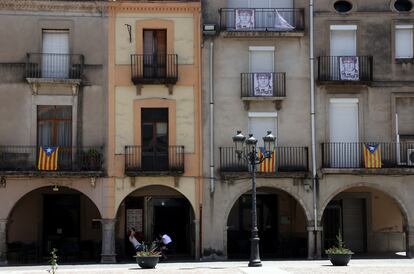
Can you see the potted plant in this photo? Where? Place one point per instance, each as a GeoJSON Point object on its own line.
{"type": "Point", "coordinates": [93, 159]}
{"type": "Point", "coordinates": [149, 256]}
{"type": "Point", "coordinates": [339, 255]}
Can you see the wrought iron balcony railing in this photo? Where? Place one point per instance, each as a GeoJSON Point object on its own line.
{"type": "Point", "coordinates": [139, 159]}
{"type": "Point", "coordinates": [263, 84]}
{"type": "Point", "coordinates": [69, 159]}
{"type": "Point", "coordinates": [262, 19]}
{"type": "Point", "coordinates": [288, 159]}
{"type": "Point", "coordinates": [154, 69]}
{"type": "Point", "coordinates": [345, 68]}
{"type": "Point", "coordinates": [357, 155]}
{"type": "Point", "coordinates": [54, 66]}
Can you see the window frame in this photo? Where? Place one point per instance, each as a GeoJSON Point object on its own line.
{"type": "Point", "coordinates": [402, 25]}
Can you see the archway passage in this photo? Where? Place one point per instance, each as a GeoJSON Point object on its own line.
{"type": "Point", "coordinates": [370, 221]}
{"type": "Point", "coordinates": [48, 218]}
{"type": "Point", "coordinates": [153, 210]}
{"type": "Point", "coordinates": [281, 224]}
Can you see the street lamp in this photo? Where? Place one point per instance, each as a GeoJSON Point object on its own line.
{"type": "Point", "coordinates": [247, 150]}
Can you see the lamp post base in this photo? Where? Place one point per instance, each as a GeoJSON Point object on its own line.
{"type": "Point", "coordinates": [254, 252]}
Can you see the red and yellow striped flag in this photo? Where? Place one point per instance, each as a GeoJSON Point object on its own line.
{"type": "Point", "coordinates": [48, 158]}
{"type": "Point", "coordinates": [269, 164]}
{"type": "Point", "coordinates": [372, 156]}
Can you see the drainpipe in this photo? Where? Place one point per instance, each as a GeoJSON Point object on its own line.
{"type": "Point", "coordinates": [211, 91]}
{"type": "Point", "coordinates": [313, 135]}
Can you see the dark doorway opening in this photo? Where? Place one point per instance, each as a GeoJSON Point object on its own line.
{"type": "Point", "coordinates": [61, 225]}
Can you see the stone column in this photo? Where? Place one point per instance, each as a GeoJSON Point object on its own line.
{"type": "Point", "coordinates": [409, 238]}
{"type": "Point", "coordinates": [197, 239]}
{"type": "Point", "coordinates": [311, 242]}
{"type": "Point", "coordinates": [318, 254]}
{"type": "Point", "coordinates": [108, 255]}
{"type": "Point", "coordinates": [3, 242]}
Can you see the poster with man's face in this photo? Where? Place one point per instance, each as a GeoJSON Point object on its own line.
{"type": "Point", "coordinates": [244, 19]}
{"type": "Point", "coordinates": [263, 84]}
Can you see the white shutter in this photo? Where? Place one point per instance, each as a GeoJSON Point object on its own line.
{"type": "Point", "coordinates": [343, 129]}
{"type": "Point", "coordinates": [260, 123]}
{"type": "Point", "coordinates": [238, 3]}
{"type": "Point", "coordinates": [261, 59]}
{"type": "Point", "coordinates": [343, 40]}
{"type": "Point", "coordinates": [404, 41]}
{"type": "Point", "coordinates": [281, 4]}
{"type": "Point", "coordinates": [55, 58]}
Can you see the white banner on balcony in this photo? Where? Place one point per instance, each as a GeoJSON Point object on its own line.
{"type": "Point", "coordinates": [280, 22]}
{"type": "Point", "coordinates": [244, 19]}
{"type": "Point", "coordinates": [349, 68]}
{"type": "Point", "coordinates": [263, 84]}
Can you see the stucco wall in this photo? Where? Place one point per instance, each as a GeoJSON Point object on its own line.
{"type": "Point", "coordinates": [185, 117]}
{"type": "Point", "coordinates": [183, 35]}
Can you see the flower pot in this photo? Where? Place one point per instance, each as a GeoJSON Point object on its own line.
{"type": "Point", "coordinates": [340, 259]}
{"type": "Point", "coordinates": [147, 261]}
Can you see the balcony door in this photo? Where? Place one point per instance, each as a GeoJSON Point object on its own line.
{"type": "Point", "coordinates": [155, 53]}
{"type": "Point", "coordinates": [343, 133]}
{"type": "Point", "coordinates": [343, 40]}
{"type": "Point", "coordinates": [55, 54]}
{"type": "Point", "coordinates": [54, 128]}
{"type": "Point", "coordinates": [154, 139]}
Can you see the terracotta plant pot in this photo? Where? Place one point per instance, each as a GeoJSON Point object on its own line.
{"type": "Point", "coordinates": [147, 261]}
{"type": "Point", "coordinates": [340, 259]}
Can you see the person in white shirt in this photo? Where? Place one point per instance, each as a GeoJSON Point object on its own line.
{"type": "Point", "coordinates": [135, 243]}
{"type": "Point", "coordinates": [165, 242]}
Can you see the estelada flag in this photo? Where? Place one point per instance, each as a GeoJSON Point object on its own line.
{"type": "Point", "coordinates": [372, 156]}
{"type": "Point", "coordinates": [268, 165]}
{"type": "Point", "coordinates": [48, 158]}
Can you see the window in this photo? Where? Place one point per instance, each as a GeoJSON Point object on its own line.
{"type": "Point", "coordinates": [54, 126]}
{"type": "Point", "coordinates": [342, 6]}
{"type": "Point", "coordinates": [55, 54]}
{"type": "Point", "coordinates": [262, 59]}
{"type": "Point", "coordinates": [260, 123]}
{"type": "Point", "coordinates": [154, 139]}
{"type": "Point", "coordinates": [155, 53]}
{"type": "Point", "coordinates": [403, 5]}
{"type": "Point", "coordinates": [403, 41]}
{"type": "Point", "coordinates": [343, 40]}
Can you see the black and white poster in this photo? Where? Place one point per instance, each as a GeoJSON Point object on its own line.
{"type": "Point", "coordinates": [244, 19]}
{"type": "Point", "coordinates": [349, 68]}
{"type": "Point", "coordinates": [263, 84]}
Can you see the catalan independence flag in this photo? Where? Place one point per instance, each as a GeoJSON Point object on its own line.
{"type": "Point", "coordinates": [48, 158]}
{"type": "Point", "coordinates": [269, 164]}
{"type": "Point", "coordinates": [372, 156]}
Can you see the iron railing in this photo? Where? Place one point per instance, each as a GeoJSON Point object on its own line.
{"type": "Point", "coordinates": [345, 68]}
{"type": "Point", "coordinates": [154, 68]}
{"type": "Point", "coordinates": [263, 19]}
{"type": "Point", "coordinates": [149, 159]}
{"type": "Point", "coordinates": [352, 155]}
{"type": "Point", "coordinates": [54, 65]}
{"type": "Point", "coordinates": [288, 159]}
{"type": "Point", "coordinates": [273, 85]}
{"type": "Point", "coordinates": [26, 158]}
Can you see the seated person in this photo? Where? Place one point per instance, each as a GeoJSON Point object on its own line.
{"type": "Point", "coordinates": [165, 244]}
{"type": "Point", "coordinates": [133, 239]}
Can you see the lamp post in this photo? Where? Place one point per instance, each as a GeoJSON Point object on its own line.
{"type": "Point", "coordinates": [247, 150]}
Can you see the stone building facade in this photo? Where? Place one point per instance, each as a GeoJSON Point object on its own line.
{"type": "Point", "coordinates": [52, 94]}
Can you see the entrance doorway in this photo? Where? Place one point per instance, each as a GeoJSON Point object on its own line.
{"type": "Point", "coordinates": [281, 224]}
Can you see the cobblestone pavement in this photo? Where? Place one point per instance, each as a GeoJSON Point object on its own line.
{"type": "Point", "coordinates": [358, 266]}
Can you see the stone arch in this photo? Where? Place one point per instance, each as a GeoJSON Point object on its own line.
{"type": "Point", "coordinates": [247, 187]}
{"type": "Point", "coordinates": [394, 196]}
{"type": "Point", "coordinates": [21, 193]}
{"type": "Point", "coordinates": [129, 192]}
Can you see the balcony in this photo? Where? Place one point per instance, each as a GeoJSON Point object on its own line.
{"type": "Point", "coordinates": [388, 158]}
{"type": "Point", "coordinates": [289, 162]}
{"type": "Point", "coordinates": [154, 69]}
{"type": "Point", "coordinates": [345, 69]}
{"type": "Point", "coordinates": [71, 161]}
{"type": "Point", "coordinates": [261, 22]}
{"type": "Point", "coordinates": [258, 86]}
{"type": "Point", "coordinates": [154, 161]}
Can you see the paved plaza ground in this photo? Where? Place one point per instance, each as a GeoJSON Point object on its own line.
{"type": "Point", "coordinates": [363, 266]}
